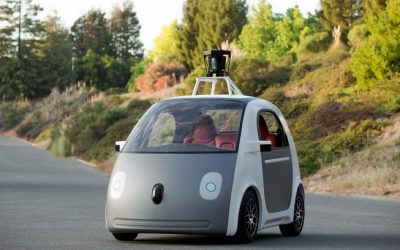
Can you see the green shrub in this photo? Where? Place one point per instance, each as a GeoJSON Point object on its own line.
{"type": "Point", "coordinates": [120, 130]}
{"type": "Point", "coordinates": [60, 145]}
{"type": "Point", "coordinates": [45, 134]}
{"type": "Point", "coordinates": [251, 75]}
{"type": "Point", "coordinates": [12, 113]}
{"type": "Point", "coordinates": [353, 139]}
{"type": "Point", "coordinates": [314, 43]}
{"type": "Point", "coordinates": [87, 127]}
{"type": "Point", "coordinates": [102, 149]}
{"type": "Point", "coordinates": [357, 34]}
{"type": "Point", "coordinates": [31, 129]}
{"type": "Point", "coordinates": [139, 106]}
{"type": "Point", "coordinates": [24, 129]}
{"type": "Point", "coordinates": [301, 69]}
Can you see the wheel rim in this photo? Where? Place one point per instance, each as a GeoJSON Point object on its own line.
{"type": "Point", "coordinates": [299, 212]}
{"type": "Point", "coordinates": [251, 217]}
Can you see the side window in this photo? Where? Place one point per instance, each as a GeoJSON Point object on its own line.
{"type": "Point", "coordinates": [163, 130]}
{"type": "Point", "coordinates": [270, 129]}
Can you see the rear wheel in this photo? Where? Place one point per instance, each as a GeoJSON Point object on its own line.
{"type": "Point", "coordinates": [125, 236]}
{"type": "Point", "coordinates": [294, 228]}
{"type": "Point", "coordinates": [248, 218]}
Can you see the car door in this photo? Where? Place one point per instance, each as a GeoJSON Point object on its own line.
{"type": "Point", "coordinates": [276, 163]}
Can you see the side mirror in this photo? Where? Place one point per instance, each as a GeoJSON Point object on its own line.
{"type": "Point", "coordinates": [258, 146]}
{"type": "Point", "coordinates": [265, 146]}
{"type": "Point", "coordinates": [119, 145]}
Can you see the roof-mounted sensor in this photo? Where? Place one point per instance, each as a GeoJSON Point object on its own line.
{"type": "Point", "coordinates": [217, 62]}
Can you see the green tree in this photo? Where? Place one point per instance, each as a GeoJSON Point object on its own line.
{"type": "Point", "coordinates": [91, 31]}
{"type": "Point", "coordinates": [206, 24]}
{"type": "Point", "coordinates": [343, 13]}
{"type": "Point", "coordinates": [91, 39]}
{"type": "Point", "coordinates": [137, 70]}
{"type": "Point", "coordinates": [166, 44]}
{"type": "Point", "coordinates": [20, 40]}
{"type": "Point", "coordinates": [125, 32]}
{"type": "Point", "coordinates": [56, 53]}
{"type": "Point", "coordinates": [379, 54]}
{"type": "Point", "coordinates": [291, 29]}
{"type": "Point", "coordinates": [258, 36]}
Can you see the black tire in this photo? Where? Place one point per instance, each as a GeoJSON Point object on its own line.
{"type": "Point", "coordinates": [295, 228]}
{"type": "Point", "coordinates": [248, 218]}
{"type": "Point", "coordinates": [125, 236]}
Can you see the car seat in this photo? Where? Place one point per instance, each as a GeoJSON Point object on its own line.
{"type": "Point", "coordinates": [264, 132]}
{"type": "Point", "coordinates": [226, 140]}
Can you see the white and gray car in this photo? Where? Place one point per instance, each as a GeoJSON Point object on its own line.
{"type": "Point", "coordinates": [207, 164]}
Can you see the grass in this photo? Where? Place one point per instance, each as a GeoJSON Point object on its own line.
{"type": "Point", "coordinates": [330, 116]}
{"type": "Point", "coordinates": [372, 171]}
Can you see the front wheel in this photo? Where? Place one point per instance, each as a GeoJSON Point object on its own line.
{"type": "Point", "coordinates": [294, 228]}
{"type": "Point", "coordinates": [125, 236]}
{"type": "Point", "coordinates": [248, 218]}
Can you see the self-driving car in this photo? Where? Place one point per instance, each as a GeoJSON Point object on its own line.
{"type": "Point", "coordinates": [207, 164]}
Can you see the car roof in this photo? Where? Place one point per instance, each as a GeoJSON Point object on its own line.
{"type": "Point", "coordinates": [240, 98]}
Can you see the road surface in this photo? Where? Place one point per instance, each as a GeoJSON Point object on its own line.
{"type": "Point", "coordinates": [47, 202]}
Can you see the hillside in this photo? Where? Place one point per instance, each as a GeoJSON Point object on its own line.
{"type": "Point", "coordinates": [347, 137]}
{"type": "Point", "coordinates": [335, 77]}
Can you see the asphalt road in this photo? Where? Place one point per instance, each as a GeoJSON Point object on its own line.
{"type": "Point", "coordinates": [48, 202]}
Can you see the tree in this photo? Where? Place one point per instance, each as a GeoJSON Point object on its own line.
{"type": "Point", "coordinates": [160, 75]}
{"type": "Point", "coordinates": [187, 33]}
{"type": "Point", "coordinates": [272, 37]}
{"type": "Point", "coordinates": [91, 31]}
{"type": "Point", "coordinates": [166, 44]}
{"type": "Point", "coordinates": [290, 30]}
{"type": "Point", "coordinates": [343, 13]}
{"type": "Point", "coordinates": [378, 56]}
{"type": "Point", "coordinates": [20, 40]}
{"type": "Point", "coordinates": [56, 53]}
{"type": "Point", "coordinates": [206, 24]}
{"type": "Point", "coordinates": [125, 32]}
{"type": "Point", "coordinates": [91, 39]}
{"type": "Point", "coordinates": [259, 35]}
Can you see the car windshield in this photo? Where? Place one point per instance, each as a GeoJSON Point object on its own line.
{"type": "Point", "coordinates": [188, 126]}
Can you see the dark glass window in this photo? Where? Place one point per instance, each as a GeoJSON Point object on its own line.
{"type": "Point", "coordinates": [188, 126]}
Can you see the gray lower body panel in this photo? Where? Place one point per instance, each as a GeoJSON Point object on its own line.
{"type": "Point", "coordinates": [182, 210]}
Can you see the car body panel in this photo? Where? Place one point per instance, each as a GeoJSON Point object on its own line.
{"type": "Point", "coordinates": [182, 209]}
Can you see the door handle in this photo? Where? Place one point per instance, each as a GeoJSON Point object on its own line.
{"type": "Point", "coordinates": [275, 160]}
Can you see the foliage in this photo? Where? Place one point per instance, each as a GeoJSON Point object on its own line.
{"type": "Point", "coordinates": [159, 76]}
{"type": "Point", "coordinates": [251, 75]}
{"type": "Point", "coordinates": [105, 50]}
{"type": "Point", "coordinates": [57, 52]}
{"type": "Point", "coordinates": [343, 13]}
{"type": "Point", "coordinates": [125, 33]}
{"type": "Point", "coordinates": [259, 34]}
{"type": "Point", "coordinates": [60, 145]}
{"type": "Point", "coordinates": [204, 28]}
{"type": "Point", "coordinates": [20, 74]}
{"type": "Point", "coordinates": [378, 55]}
{"type": "Point", "coordinates": [314, 43]}
{"type": "Point", "coordinates": [90, 32]}
{"type": "Point", "coordinates": [357, 34]}
{"type": "Point", "coordinates": [273, 37]}
{"type": "Point", "coordinates": [165, 45]}
{"type": "Point", "coordinates": [136, 70]}
{"type": "Point", "coordinates": [85, 128]}
{"type": "Point", "coordinates": [12, 113]}
{"type": "Point", "coordinates": [119, 130]}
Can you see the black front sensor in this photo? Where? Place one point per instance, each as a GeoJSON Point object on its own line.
{"type": "Point", "coordinates": [157, 193]}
